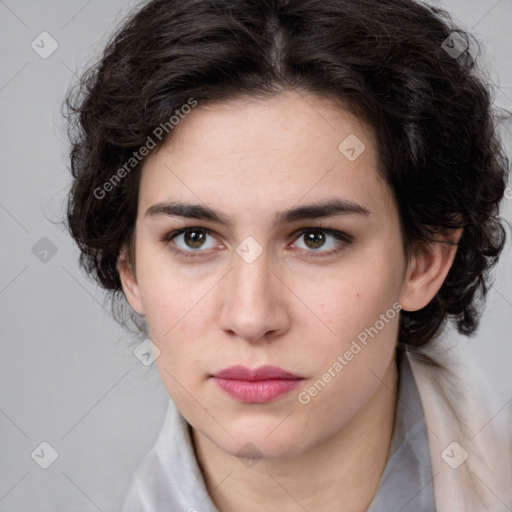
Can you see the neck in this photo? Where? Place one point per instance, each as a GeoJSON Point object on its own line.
{"type": "Point", "coordinates": [340, 473]}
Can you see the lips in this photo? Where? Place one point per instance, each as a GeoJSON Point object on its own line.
{"type": "Point", "coordinates": [239, 372]}
{"type": "Point", "coordinates": [257, 386]}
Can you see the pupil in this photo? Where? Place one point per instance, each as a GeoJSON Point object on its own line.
{"type": "Point", "coordinates": [194, 238]}
{"type": "Point", "coordinates": [312, 235]}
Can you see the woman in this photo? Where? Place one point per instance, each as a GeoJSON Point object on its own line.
{"type": "Point", "coordinates": [294, 198]}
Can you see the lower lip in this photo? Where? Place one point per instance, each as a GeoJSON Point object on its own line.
{"type": "Point", "coordinates": [258, 391]}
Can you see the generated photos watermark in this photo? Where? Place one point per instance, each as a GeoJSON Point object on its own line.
{"type": "Point", "coordinates": [344, 359]}
{"type": "Point", "coordinates": [160, 132]}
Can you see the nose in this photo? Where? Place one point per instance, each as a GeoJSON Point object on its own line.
{"type": "Point", "coordinates": [254, 305]}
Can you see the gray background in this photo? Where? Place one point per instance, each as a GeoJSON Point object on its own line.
{"type": "Point", "coordinates": [67, 372]}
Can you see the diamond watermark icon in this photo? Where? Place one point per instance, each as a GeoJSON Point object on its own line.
{"type": "Point", "coordinates": [249, 249]}
{"type": "Point", "coordinates": [351, 147]}
{"type": "Point", "coordinates": [44, 45]}
{"type": "Point", "coordinates": [146, 352]}
{"type": "Point", "coordinates": [45, 455]}
{"type": "Point", "coordinates": [249, 454]}
{"type": "Point", "coordinates": [454, 455]}
{"type": "Point", "coordinates": [44, 250]}
{"type": "Point", "coordinates": [455, 45]}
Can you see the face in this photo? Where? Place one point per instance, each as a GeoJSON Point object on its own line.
{"type": "Point", "coordinates": [256, 286]}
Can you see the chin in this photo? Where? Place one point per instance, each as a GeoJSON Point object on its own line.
{"type": "Point", "coordinates": [260, 445]}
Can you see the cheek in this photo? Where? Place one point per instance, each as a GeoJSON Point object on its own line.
{"type": "Point", "coordinates": [363, 319]}
{"type": "Point", "coordinates": [168, 294]}
{"type": "Point", "coordinates": [176, 323]}
{"type": "Point", "coordinates": [178, 314]}
{"type": "Point", "coordinates": [352, 305]}
{"type": "Point", "coordinates": [354, 359]}
{"type": "Point", "coordinates": [176, 327]}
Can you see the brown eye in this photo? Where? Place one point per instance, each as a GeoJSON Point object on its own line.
{"type": "Point", "coordinates": [189, 241]}
{"type": "Point", "coordinates": [330, 241]}
{"type": "Point", "coordinates": [314, 239]}
{"type": "Point", "coordinates": [194, 238]}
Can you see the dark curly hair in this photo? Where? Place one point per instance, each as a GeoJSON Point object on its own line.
{"type": "Point", "coordinates": [400, 66]}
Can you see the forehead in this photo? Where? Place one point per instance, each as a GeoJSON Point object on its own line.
{"type": "Point", "coordinates": [267, 155]}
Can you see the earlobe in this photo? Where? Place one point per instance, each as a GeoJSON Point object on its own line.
{"type": "Point", "coordinates": [427, 270]}
{"type": "Point", "coordinates": [129, 282]}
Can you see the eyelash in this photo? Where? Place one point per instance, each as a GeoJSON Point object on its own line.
{"type": "Point", "coordinates": [343, 238]}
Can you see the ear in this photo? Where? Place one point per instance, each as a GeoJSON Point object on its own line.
{"type": "Point", "coordinates": [428, 268]}
{"type": "Point", "coordinates": [129, 282]}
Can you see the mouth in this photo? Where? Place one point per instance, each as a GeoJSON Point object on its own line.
{"type": "Point", "coordinates": [256, 386]}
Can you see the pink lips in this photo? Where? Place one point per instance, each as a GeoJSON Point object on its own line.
{"type": "Point", "coordinates": [257, 386]}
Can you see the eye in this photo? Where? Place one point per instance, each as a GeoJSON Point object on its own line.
{"type": "Point", "coordinates": [190, 240]}
{"type": "Point", "coordinates": [318, 238]}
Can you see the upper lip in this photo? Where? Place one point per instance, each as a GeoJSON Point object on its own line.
{"type": "Point", "coordinates": [240, 372]}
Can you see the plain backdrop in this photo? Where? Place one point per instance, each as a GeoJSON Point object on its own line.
{"type": "Point", "coordinates": [68, 376]}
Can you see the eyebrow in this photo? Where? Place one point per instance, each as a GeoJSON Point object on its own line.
{"type": "Point", "coordinates": [316, 210]}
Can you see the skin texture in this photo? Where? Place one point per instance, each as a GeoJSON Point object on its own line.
{"type": "Point", "coordinates": [291, 307]}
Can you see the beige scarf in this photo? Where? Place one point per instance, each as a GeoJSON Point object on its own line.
{"type": "Point", "coordinates": [469, 434]}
